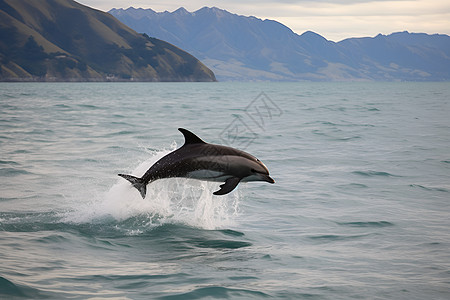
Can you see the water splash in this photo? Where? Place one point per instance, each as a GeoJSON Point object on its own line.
{"type": "Point", "coordinates": [176, 200]}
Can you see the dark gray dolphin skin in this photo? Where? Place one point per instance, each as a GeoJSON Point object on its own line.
{"type": "Point", "coordinates": [200, 160]}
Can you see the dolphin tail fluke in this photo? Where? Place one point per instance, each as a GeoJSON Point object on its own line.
{"type": "Point", "coordinates": [138, 183]}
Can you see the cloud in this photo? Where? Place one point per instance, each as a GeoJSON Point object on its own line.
{"type": "Point", "coordinates": [339, 21]}
{"type": "Point", "coordinates": [334, 19]}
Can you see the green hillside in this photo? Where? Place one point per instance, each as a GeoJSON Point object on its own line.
{"type": "Point", "coordinates": [62, 40]}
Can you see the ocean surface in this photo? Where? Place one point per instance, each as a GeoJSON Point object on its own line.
{"type": "Point", "coordinates": [360, 208]}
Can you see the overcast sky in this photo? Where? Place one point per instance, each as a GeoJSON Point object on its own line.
{"type": "Point", "coordinates": [333, 19]}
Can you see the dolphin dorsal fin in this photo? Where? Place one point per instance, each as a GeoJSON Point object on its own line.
{"type": "Point", "coordinates": [190, 138]}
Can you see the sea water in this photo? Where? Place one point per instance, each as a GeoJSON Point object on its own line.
{"type": "Point", "coordinates": [360, 208]}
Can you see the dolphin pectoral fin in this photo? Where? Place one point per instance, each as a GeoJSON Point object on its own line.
{"type": "Point", "coordinates": [137, 182]}
{"type": "Point", "coordinates": [229, 185]}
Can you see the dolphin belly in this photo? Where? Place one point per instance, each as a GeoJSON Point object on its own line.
{"type": "Point", "coordinates": [208, 175]}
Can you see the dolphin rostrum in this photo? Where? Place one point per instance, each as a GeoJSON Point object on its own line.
{"type": "Point", "coordinates": [200, 160]}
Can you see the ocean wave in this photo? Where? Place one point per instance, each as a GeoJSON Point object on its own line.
{"type": "Point", "coordinates": [367, 224]}
{"type": "Point", "coordinates": [8, 162]}
{"type": "Point", "coordinates": [218, 292]}
{"type": "Point", "coordinates": [337, 237]}
{"type": "Point", "coordinates": [109, 233]}
{"type": "Point", "coordinates": [353, 185]}
{"type": "Point", "coordinates": [28, 222]}
{"type": "Point", "coordinates": [371, 173]}
{"type": "Point", "coordinates": [10, 172]}
{"type": "Point", "coordinates": [220, 244]}
{"type": "Point", "coordinates": [10, 290]}
{"type": "Point", "coordinates": [428, 188]}
{"type": "Point", "coordinates": [89, 106]}
{"type": "Point", "coordinates": [63, 106]}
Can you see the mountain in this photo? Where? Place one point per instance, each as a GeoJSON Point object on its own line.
{"type": "Point", "coordinates": [247, 48]}
{"type": "Point", "coordinates": [62, 40]}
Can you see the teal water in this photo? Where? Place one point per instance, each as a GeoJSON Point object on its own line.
{"type": "Point", "coordinates": [360, 208]}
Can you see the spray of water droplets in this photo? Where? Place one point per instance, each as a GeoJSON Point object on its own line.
{"type": "Point", "coordinates": [176, 200]}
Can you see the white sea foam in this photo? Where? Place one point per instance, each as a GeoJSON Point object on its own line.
{"type": "Point", "coordinates": [175, 200]}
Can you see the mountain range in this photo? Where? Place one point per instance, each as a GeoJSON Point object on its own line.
{"type": "Point", "coordinates": [62, 40]}
{"type": "Point", "coordinates": [245, 48]}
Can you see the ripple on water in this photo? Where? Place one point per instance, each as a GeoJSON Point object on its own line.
{"type": "Point", "coordinates": [9, 290]}
{"type": "Point", "coordinates": [371, 173]}
{"type": "Point", "coordinates": [367, 224]}
{"type": "Point", "coordinates": [218, 292]}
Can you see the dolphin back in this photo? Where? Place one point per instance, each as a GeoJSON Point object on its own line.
{"type": "Point", "coordinates": [190, 138]}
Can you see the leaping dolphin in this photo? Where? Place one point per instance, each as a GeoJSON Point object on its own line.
{"type": "Point", "coordinates": [200, 160]}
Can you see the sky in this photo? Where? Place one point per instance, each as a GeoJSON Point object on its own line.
{"type": "Point", "coordinates": [333, 19]}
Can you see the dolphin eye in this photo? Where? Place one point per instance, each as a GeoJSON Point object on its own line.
{"type": "Point", "coordinates": [253, 170]}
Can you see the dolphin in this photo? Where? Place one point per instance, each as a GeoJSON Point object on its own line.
{"type": "Point", "coordinates": [200, 160]}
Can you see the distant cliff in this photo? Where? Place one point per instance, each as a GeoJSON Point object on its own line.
{"type": "Point", "coordinates": [62, 40]}
{"type": "Point", "coordinates": [247, 48]}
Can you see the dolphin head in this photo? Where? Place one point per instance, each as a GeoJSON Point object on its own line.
{"type": "Point", "coordinates": [258, 172]}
